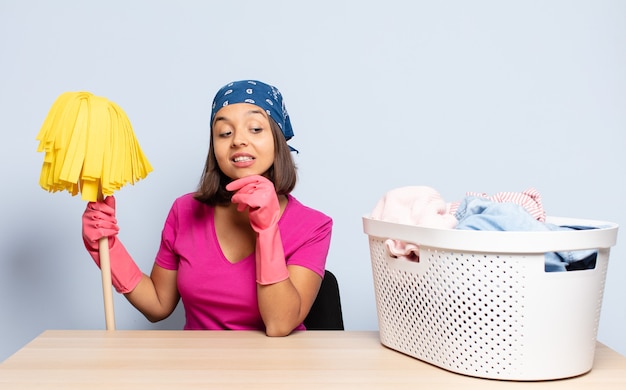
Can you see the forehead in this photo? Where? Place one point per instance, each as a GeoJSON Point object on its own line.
{"type": "Point", "coordinates": [239, 111]}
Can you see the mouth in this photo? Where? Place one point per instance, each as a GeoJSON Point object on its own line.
{"type": "Point", "coordinates": [242, 158]}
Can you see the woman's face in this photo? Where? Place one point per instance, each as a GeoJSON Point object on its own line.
{"type": "Point", "coordinates": [242, 140]}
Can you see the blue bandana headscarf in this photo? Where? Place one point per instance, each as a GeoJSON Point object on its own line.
{"type": "Point", "coordinates": [260, 94]}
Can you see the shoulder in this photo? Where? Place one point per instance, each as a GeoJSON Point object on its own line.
{"type": "Point", "coordinates": [187, 206]}
{"type": "Point", "coordinates": [295, 206]}
{"type": "Point", "coordinates": [188, 201]}
{"type": "Point", "coordinates": [299, 214]}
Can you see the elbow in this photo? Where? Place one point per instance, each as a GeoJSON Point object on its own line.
{"type": "Point", "coordinates": [278, 331]}
{"type": "Point", "coordinates": [154, 317]}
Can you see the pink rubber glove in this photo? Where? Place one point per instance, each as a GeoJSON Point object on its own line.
{"type": "Point", "coordinates": [99, 221]}
{"type": "Point", "coordinates": [259, 195]}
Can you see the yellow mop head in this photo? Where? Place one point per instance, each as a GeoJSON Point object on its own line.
{"type": "Point", "coordinates": [89, 147]}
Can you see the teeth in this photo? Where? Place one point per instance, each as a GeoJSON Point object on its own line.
{"type": "Point", "coordinates": [243, 158]}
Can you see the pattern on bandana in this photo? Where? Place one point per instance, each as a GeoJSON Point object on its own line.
{"type": "Point", "coordinates": [260, 94]}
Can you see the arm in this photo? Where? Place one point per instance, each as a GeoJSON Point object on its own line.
{"type": "Point", "coordinates": [285, 305]}
{"type": "Point", "coordinates": [155, 296]}
{"type": "Point", "coordinates": [285, 294]}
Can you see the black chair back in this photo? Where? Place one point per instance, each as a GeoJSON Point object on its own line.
{"type": "Point", "coordinates": [326, 311]}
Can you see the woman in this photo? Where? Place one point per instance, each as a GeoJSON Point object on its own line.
{"type": "Point", "coordinates": [240, 252]}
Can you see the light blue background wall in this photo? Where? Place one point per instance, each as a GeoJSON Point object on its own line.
{"type": "Point", "coordinates": [458, 95]}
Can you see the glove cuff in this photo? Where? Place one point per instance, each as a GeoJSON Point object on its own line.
{"type": "Point", "coordinates": [125, 274]}
{"type": "Point", "coordinates": [271, 266]}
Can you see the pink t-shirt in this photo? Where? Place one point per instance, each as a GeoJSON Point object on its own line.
{"type": "Point", "coordinates": [216, 293]}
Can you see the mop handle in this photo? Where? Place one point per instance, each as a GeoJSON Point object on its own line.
{"type": "Point", "coordinates": [107, 292]}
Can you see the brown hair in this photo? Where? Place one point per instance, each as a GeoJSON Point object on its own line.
{"type": "Point", "coordinates": [212, 187]}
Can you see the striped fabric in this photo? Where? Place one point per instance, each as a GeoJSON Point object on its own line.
{"type": "Point", "coordinates": [530, 199]}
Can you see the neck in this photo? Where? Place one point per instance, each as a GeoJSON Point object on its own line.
{"type": "Point", "coordinates": [238, 218]}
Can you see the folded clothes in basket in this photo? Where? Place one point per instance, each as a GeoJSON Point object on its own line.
{"type": "Point", "coordinates": [505, 211]}
{"type": "Point", "coordinates": [478, 213]}
{"type": "Point", "coordinates": [413, 205]}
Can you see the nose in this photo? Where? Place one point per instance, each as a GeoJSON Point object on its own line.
{"type": "Point", "coordinates": [239, 138]}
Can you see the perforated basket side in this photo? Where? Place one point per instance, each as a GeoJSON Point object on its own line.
{"type": "Point", "coordinates": [487, 315]}
{"type": "Point", "coordinates": [461, 314]}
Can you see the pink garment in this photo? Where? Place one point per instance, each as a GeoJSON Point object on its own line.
{"type": "Point", "coordinates": [413, 205]}
{"type": "Point", "coordinates": [530, 199]}
{"type": "Point", "coordinates": [216, 293]}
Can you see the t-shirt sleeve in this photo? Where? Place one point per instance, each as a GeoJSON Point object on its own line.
{"type": "Point", "coordinates": [307, 240]}
{"type": "Point", "coordinates": [166, 257]}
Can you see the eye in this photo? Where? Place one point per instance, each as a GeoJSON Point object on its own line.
{"type": "Point", "coordinates": [256, 130]}
{"type": "Point", "coordinates": [222, 130]}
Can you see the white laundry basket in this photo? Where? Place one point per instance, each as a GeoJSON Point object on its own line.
{"type": "Point", "coordinates": [480, 303]}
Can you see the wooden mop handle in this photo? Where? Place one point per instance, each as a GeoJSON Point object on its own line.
{"type": "Point", "coordinates": [107, 292]}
